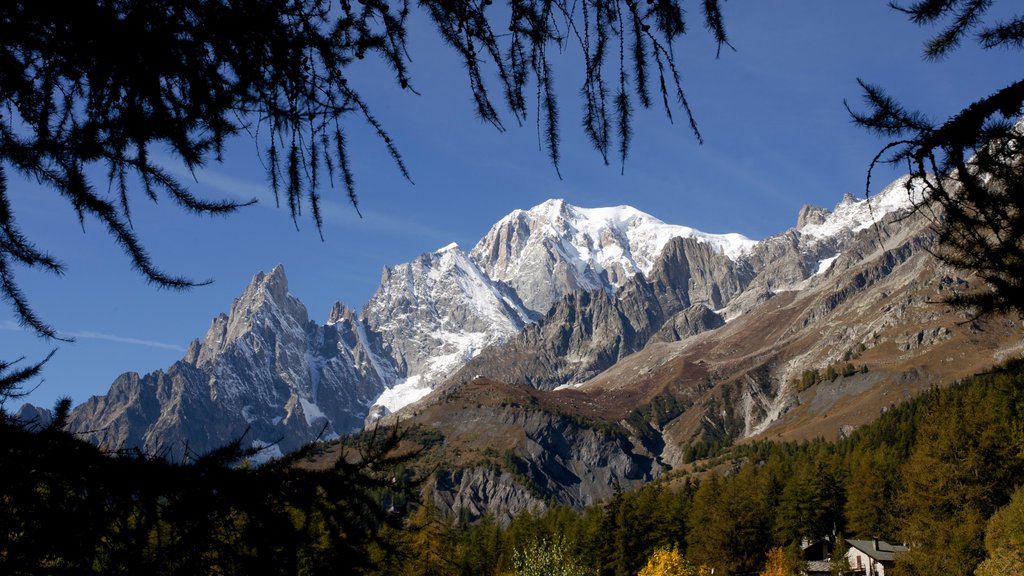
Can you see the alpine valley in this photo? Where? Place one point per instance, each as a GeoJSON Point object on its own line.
{"type": "Point", "coordinates": [574, 352]}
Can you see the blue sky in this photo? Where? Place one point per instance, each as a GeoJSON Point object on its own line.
{"type": "Point", "coordinates": [776, 137]}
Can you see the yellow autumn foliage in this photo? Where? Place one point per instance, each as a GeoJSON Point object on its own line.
{"type": "Point", "coordinates": [778, 564]}
{"type": "Point", "coordinates": [669, 562]}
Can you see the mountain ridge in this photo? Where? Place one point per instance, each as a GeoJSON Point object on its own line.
{"type": "Point", "coordinates": [267, 368]}
{"type": "Point", "coordinates": [816, 358]}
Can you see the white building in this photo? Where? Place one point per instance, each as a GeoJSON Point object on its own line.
{"type": "Point", "coordinates": [872, 557]}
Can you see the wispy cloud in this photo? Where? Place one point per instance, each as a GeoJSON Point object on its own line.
{"type": "Point", "coordinates": [242, 189]}
{"type": "Point", "coordinates": [89, 335]}
{"type": "Point", "coordinates": [11, 326]}
{"type": "Point", "coordinates": [334, 211]}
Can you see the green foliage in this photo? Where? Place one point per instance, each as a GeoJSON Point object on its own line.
{"type": "Point", "coordinates": [871, 490]}
{"type": "Point", "coordinates": [812, 377]}
{"type": "Point", "coordinates": [838, 564]}
{"type": "Point", "coordinates": [948, 461]}
{"type": "Point", "coordinates": [963, 467]}
{"type": "Point", "coordinates": [1004, 540]}
{"type": "Point", "coordinates": [546, 558]}
{"type": "Point", "coordinates": [807, 379]}
{"type": "Point", "coordinates": [635, 524]}
{"type": "Point", "coordinates": [68, 508]}
{"type": "Point", "coordinates": [810, 503]}
{"type": "Point", "coordinates": [728, 522]}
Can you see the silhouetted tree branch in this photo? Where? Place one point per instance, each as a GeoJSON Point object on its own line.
{"type": "Point", "coordinates": [69, 508]}
{"type": "Point", "coordinates": [969, 166]}
{"type": "Point", "coordinates": [109, 89]}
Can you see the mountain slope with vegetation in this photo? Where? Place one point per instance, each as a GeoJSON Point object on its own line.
{"type": "Point", "coordinates": [816, 355]}
{"type": "Point", "coordinates": [943, 473]}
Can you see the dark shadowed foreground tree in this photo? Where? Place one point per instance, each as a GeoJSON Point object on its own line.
{"type": "Point", "coordinates": [969, 166]}
{"type": "Point", "coordinates": [100, 99]}
{"type": "Point", "coordinates": [110, 89]}
{"type": "Point", "coordinates": [68, 508]}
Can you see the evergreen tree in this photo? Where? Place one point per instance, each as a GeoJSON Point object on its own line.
{"type": "Point", "coordinates": [968, 166]}
{"type": "Point", "coordinates": [728, 523]}
{"type": "Point", "coordinates": [838, 563]}
{"type": "Point", "coordinates": [870, 491]}
{"type": "Point", "coordinates": [478, 547]}
{"type": "Point", "coordinates": [810, 503]}
{"type": "Point", "coordinates": [427, 548]}
{"type": "Point", "coordinates": [966, 458]}
{"type": "Point", "coordinates": [1004, 540]}
{"type": "Point", "coordinates": [68, 508]}
{"type": "Point", "coordinates": [101, 85]}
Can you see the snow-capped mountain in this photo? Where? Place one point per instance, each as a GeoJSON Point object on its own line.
{"type": "Point", "coordinates": [555, 248]}
{"type": "Point", "coordinates": [829, 324]}
{"type": "Point", "coordinates": [852, 215]}
{"type": "Point", "coordinates": [605, 281]}
{"type": "Point", "coordinates": [435, 313]}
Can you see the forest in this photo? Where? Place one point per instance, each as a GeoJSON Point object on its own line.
{"type": "Point", "coordinates": [941, 474]}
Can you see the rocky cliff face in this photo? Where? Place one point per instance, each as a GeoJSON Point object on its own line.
{"type": "Point", "coordinates": [267, 370]}
{"type": "Point", "coordinates": [435, 313]}
{"type": "Point", "coordinates": [586, 332]}
{"type": "Point", "coordinates": [829, 324]}
{"type": "Point", "coordinates": [524, 452]}
{"type": "Point", "coordinates": [264, 371]}
{"type": "Point", "coordinates": [555, 249]}
{"type": "Point", "coordinates": [659, 340]}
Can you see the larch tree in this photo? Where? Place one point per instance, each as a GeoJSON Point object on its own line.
{"type": "Point", "coordinates": [778, 563]}
{"type": "Point", "coordinates": [965, 171]}
{"type": "Point", "coordinates": [669, 562]}
{"type": "Point", "coordinates": [113, 88]}
{"type": "Point", "coordinates": [1004, 540]}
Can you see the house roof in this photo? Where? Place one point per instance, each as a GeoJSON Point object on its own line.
{"type": "Point", "coordinates": [878, 549]}
{"type": "Point", "coordinates": [814, 567]}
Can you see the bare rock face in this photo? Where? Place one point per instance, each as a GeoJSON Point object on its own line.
{"type": "Point", "coordinates": [690, 322]}
{"type": "Point", "coordinates": [472, 493]}
{"type": "Point", "coordinates": [811, 215]}
{"type": "Point", "coordinates": [264, 373]}
{"type": "Point", "coordinates": [690, 271]}
{"type": "Point", "coordinates": [33, 417]}
{"type": "Point", "coordinates": [635, 339]}
{"type": "Point", "coordinates": [436, 312]}
{"type": "Point", "coordinates": [554, 249]}
{"type": "Point", "coordinates": [547, 456]}
{"type": "Point", "coordinates": [585, 333]}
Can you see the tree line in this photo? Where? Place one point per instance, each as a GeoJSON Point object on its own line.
{"type": "Point", "coordinates": [942, 473]}
{"type": "Point", "coordinates": [938, 473]}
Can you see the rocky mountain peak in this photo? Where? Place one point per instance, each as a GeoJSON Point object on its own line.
{"type": "Point", "coordinates": [192, 354]}
{"type": "Point", "coordinates": [265, 305]}
{"type": "Point", "coordinates": [272, 285]}
{"type": "Point", "coordinates": [436, 312]}
{"type": "Point", "coordinates": [608, 280]}
{"type": "Point", "coordinates": [340, 313]}
{"type": "Point", "coordinates": [810, 214]}
{"type": "Point", "coordinates": [555, 248]}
